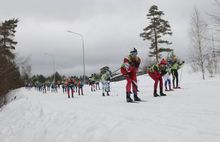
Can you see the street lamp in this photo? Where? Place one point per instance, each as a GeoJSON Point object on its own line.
{"type": "Point", "coordinates": [50, 55]}
{"type": "Point", "coordinates": [82, 38]}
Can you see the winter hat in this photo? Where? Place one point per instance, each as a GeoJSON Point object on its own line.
{"type": "Point", "coordinates": [134, 52]}
{"type": "Point", "coordinates": [163, 62]}
{"type": "Point", "coordinates": [174, 58]}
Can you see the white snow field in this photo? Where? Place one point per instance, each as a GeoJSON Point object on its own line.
{"type": "Point", "coordinates": [191, 114]}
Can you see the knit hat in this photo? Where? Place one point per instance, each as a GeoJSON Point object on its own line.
{"type": "Point", "coordinates": [163, 62]}
{"type": "Point", "coordinates": [134, 52]}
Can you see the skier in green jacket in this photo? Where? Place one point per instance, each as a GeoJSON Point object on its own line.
{"type": "Point", "coordinates": [176, 65]}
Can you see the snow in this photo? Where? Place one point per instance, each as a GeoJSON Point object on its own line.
{"type": "Point", "coordinates": [190, 114]}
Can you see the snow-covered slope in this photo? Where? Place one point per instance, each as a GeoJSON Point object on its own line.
{"type": "Point", "coordinates": [190, 114]}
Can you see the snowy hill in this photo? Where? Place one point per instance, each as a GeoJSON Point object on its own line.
{"type": "Point", "coordinates": [190, 114]}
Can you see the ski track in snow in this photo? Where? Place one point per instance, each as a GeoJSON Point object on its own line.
{"type": "Point", "coordinates": [191, 114]}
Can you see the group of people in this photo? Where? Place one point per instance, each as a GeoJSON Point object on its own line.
{"type": "Point", "coordinates": [94, 82]}
{"type": "Point", "coordinates": [159, 72]}
{"type": "Point", "coordinates": [70, 85]}
{"type": "Point", "coordinates": [42, 87]}
{"type": "Point", "coordinates": [105, 77]}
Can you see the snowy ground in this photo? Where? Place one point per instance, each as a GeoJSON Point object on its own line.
{"type": "Point", "coordinates": [191, 114]}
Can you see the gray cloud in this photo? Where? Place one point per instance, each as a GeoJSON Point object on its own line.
{"type": "Point", "coordinates": [110, 29]}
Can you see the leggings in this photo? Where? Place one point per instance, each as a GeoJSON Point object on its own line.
{"type": "Point", "coordinates": [175, 77]}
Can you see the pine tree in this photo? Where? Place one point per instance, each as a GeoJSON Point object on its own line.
{"type": "Point", "coordinates": [57, 77]}
{"type": "Point", "coordinates": [7, 43]}
{"type": "Point", "coordinates": [154, 32]}
{"type": "Point", "coordinates": [9, 72]}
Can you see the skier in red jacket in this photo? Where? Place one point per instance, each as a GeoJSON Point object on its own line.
{"type": "Point", "coordinates": [69, 85]}
{"type": "Point", "coordinates": [156, 71]}
{"type": "Point", "coordinates": [129, 69]}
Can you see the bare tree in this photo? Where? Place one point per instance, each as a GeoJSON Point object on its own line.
{"type": "Point", "coordinates": [216, 16]}
{"type": "Point", "coordinates": [214, 56]}
{"type": "Point", "coordinates": [215, 39]}
{"type": "Point", "coordinates": [210, 66]}
{"type": "Point", "coordinates": [199, 52]}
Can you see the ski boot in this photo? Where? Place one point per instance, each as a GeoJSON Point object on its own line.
{"type": "Point", "coordinates": [155, 93]}
{"type": "Point", "coordinates": [170, 89]}
{"type": "Point", "coordinates": [103, 94]}
{"type": "Point", "coordinates": [161, 93]}
{"type": "Point", "coordinates": [177, 87]}
{"type": "Point", "coordinates": [136, 98]}
{"type": "Point", "coordinates": [128, 98]}
{"type": "Point", "coordinates": [107, 94]}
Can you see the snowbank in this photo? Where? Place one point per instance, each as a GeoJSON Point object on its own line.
{"type": "Point", "coordinates": [190, 114]}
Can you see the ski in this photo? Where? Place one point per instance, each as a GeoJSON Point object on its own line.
{"type": "Point", "coordinates": [138, 101]}
{"type": "Point", "coordinates": [169, 90]}
{"type": "Point", "coordinates": [133, 102]}
{"type": "Point", "coordinates": [141, 101]}
{"type": "Point", "coordinates": [177, 88]}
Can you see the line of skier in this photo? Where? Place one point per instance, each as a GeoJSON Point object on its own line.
{"type": "Point", "coordinates": [42, 87]}
{"type": "Point", "coordinates": [69, 86]}
{"type": "Point", "coordinates": [158, 72]}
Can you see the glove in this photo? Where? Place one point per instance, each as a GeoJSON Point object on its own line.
{"type": "Point", "coordinates": [183, 62]}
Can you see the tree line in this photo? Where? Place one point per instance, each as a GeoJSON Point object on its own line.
{"type": "Point", "coordinates": [205, 41]}
{"type": "Point", "coordinates": [9, 71]}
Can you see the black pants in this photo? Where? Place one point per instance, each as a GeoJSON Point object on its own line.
{"type": "Point", "coordinates": [175, 77]}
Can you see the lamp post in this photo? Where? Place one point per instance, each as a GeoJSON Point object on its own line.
{"type": "Point", "coordinates": [50, 55]}
{"type": "Point", "coordinates": [82, 38]}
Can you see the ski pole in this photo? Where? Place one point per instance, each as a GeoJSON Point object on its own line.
{"type": "Point", "coordinates": [181, 73]}
{"type": "Point", "coordinates": [116, 70]}
{"type": "Point", "coordinates": [135, 84]}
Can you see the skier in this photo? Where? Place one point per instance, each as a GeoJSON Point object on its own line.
{"type": "Point", "coordinates": [105, 80]}
{"type": "Point", "coordinates": [156, 71]}
{"type": "Point", "coordinates": [69, 86]}
{"type": "Point", "coordinates": [54, 87]}
{"type": "Point", "coordinates": [167, 78]}
{"type": "Point", "coordinates": [97, 84]}
{"type": "Point", "coordinates": [80, 87]}
{"type": "Point", "coordinates": [44, 88]}
{"type": "Point", "coordinates": [64, 85]}
{"type": "Point", "coordinates": [174, 70]}
{"type": "Point", "coordinates": [92, 82]}
{"type": "Point", "coordinates": [129, 70]}
{"type": "Point", "coordinates": [75, 85]}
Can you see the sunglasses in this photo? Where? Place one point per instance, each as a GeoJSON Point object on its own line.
{"type": "Point", "coordinates": [133, 54]}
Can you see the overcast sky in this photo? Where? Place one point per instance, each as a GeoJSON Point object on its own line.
{"type": "Point", "coordinates": [110, 28]}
